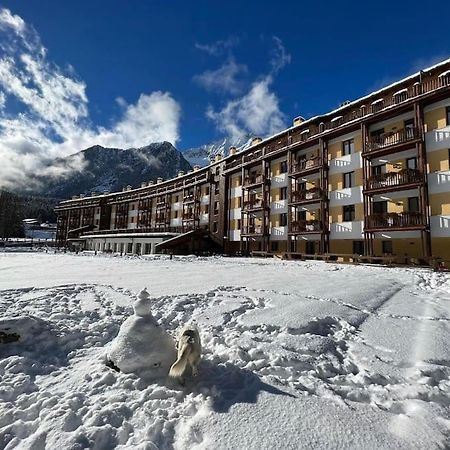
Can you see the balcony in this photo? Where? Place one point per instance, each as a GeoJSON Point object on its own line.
{"type": "Point", "coordinates": [253, 180]}
{"type": "Point", "coordinates": [252, 230]}
{"type": "Point", "coordinates": [306, 196]}
{"type": "Point", "coordinates": [190, 198]}
{"type": "Point", "coordinates": [395, 221]}
{"type": "Point", "coordinates": [305, 226]}
{"type": "Point", "coordinates": [390, 181]}
{"type": "Point", "coordinates": [392, 139]}
{"type": "Point", "coordinates": [306, 166]}
{"type": "Point", "coordinates": [189, 217]}
{"type": "Point", "coordinates": [254, 205]}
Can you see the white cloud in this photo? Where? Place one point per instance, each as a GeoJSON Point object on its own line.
{"type": "Point", "coordinates": [224, 79]}
{"type": "Point", "coordinates": [280, 57]}
{"type": "Point", "coordinates": [257, 112]}
{"type": "Point", "coordinates": [219, 47]}
{"type": "Point", "coordinates": [54, 120]}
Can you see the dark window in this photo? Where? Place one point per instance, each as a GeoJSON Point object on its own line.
{"type": "Point", "coordinates": [176, 199]}
{"type": "Point", "coordinates": [387, 247]}
{"type": "Point", "coordinates": [148, 249]}
{"type": "Point", "coordinates": [310, 247]}
{"type": "Point", "coordinates": [283, 193]}
{"type": "Point", "coordinates": [130, 248]}
{"type": "Point", "coordinates": [349, 213]}
{"type": "Point", "coordinates": [215, 227]}
{"type": "Point", "coordinates": [448, 115]}
{"type": "Point", "coordinates": [411, 163]}
{"type": "Point", "coordinates": [377, 133]}
{"type": "Point", "coordinates": [207, 190]}
{"type": "Point", "coordinates": [358, 247]}
{"type": "Point", "coordinates": [283, 220]}
{"type": "Point", "coordinates": [413, 204]}
{"type": "Point", "coordinates": [283, 167]}
{"type": "Point", "coordinates": [217, 170]}
{"type": "Point", "coordinates": [216, 188]}
{"type": "Point", "coordinates": [274, 246]}
{"type": "Point", "coordinates": [408, 124]}
{"type": "Point", "coordinates": [239, 224]}
{"type": "Point", "coordinates": [379, 169]}
{"type": "Point", "coordinates": [380, 207]}
{"type": "Point", "coordinates": [301, 215]}
{"type": "Point", "coordinates": [216, 208]}
{"type": "Point", "coordinates": [348, 147]}
{"type": "Point", "coordinates": [206, 209]}
{"type": "Point", "coordinates": [349, 179]}
{"type": "Point", "coordinates": [301, 186]}
{"type": "Point", "coordinates": [176, 215]}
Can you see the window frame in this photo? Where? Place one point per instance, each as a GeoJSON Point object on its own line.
{"type": "Point", "coordinates": [416, 208]}
{"type": "Point", "coordinates": [351, 179]}
{"type": "Point", "coordinates": [348, 211]}
{"type": "Point", "coordinates": [389, 251]}
{"type": "Point", "coordinates": [348, 147]}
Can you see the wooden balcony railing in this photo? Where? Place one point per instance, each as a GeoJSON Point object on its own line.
{"type": "Point", "coordinates": [189, 216]}
{"type": "Point", "coordinates": [387, 221]}
{"type": "Point", "coordinates": [393, 179]}
{"type": "Point", "coordinates": [392, 138]}
{"type": "Point", "coordinates": [305, 226]}
{"type": "Point", "coordinates": [251, 180]}
{"type": "Point", "coordinates": [307, 195]}
{"type": "Point", "coordinates": [253, 204]}
{"type": "Point", "coordinates": [134, 230]}
{"type": "Point", "coordinates": [303, 165]}
{"type": "Point", "coordinates": [190, 198]}
{"type": "Point", "coordinates": [252, 229]}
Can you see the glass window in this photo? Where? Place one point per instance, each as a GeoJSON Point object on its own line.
{"type": "Point", "coordinates": [411, 163]}
{"type": "Point", "coordinates": [387, 247]}
{"type": "Point", "coordinates": [380, 207]}
{"type": "Point", "coordinates": [413, 204]}
{"type": "Point", "coordinates": [283, 167]}
{"type": "Point", "coordinates": [349, 179]}
{"type": "Point", "coordinates": [283, 220]}
{"type": "Point", "coordinates": [358, 247]}
{"type": "Point", "coordinates": [349, 213]}
{"type": "Point", "coordinates": [379, 169]}
{"type": "Point", "coordinates": [274, 246]}
{"type": "Point", "coordinates": [130, 247]}
{"type": "Point", "coordinates": [215, 227]}
{"type": "Point", "coordinates": [448, 115]}
{"type": "Point", "coordinates": [283, 193]}
{"type": "Point", "coordinates": [348, 147]}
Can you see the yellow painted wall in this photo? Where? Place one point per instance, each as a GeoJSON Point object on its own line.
{"type": "Point", "coordinates": [400, 247]}
{"type": "Point", "coordinates": [275, 168]}
{"type": "Point", "coordinates": [440, 203]}
{"type": "Point", "coordinates": [236, 181]}
{"type": "Point", "coordinates": [336, 213]}
{"type": "Point", "coordinates": [336, 181]}
{"type": "Point", "coordinates": [440, 247]}
{"type": "Point", "coordinates": [435, 119]}
{"type": "Point", "coordinates": [335, 150]}
{"type": "Point", "coordinates": [438, 160]}
{"type": "Point", "coordinates": [344, 246]}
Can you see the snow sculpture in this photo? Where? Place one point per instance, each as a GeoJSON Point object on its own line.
{"type": "Point", "coordinates": [142, 346]}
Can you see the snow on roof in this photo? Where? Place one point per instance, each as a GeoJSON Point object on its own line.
{"type": "Point", "coordinates": [336, 118]}
{"type": "Point", "coordinates": [305, 131]}
{"type": "Point", "coordinates": [378, 100]}
{"type": "Point", "coordinates": [401, 91]}
{"type": "Point", "coordinates": [444, 74]}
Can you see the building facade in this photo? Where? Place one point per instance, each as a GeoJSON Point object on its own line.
{"type": "Point", "coordinates": [370, 178]}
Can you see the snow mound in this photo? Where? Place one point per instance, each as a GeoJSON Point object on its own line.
{"type": "Point", "coordinates": [142, 346]}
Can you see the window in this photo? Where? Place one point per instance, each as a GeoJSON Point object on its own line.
{"type": "Point", "coordinates": [216, 208]}
{"type": "Point", "coordinates": [274, 246]}
{"type": "Point", "coordinates": [283, 193]}
{"type": "Point", "coordinates": [380, 207]}
{"type": "Point", "coordinates": [413, 204]}
{"type": "Point", "coordinates": [138, 249]}
{"type": "Point", "coordinates": [206, 209]}
{"type": "Point", "coordinates": [301, 215]}
{"type": "Point", "coordinates": [348, 147]}
{"type": "Point", "coordinates": [448, 115]}
{"type": "Point", "coordinates": [177, 198]}
{"type": "Point", "coordinates": [310, 247]}
{"type": "Point", "coordinates": [283, 220]}
{"type": "Point", "coordinates": [176, 215]}
{"type": "Point", "coordinates": [349, 179]}
{"type": "Point", "coordinates": [239, 202]}
{"type": "Point", "coordinates": [349, 213]}
{"type": "Point", "coordinates": [411, 163]}
{"type": "Point", "coordinates": [207, 190]}
{"type": "Point", "coordinates": [379, 169]}
{"type": "Point", "coordinates": [217, 170]}
{"type": "Point", "coordinates": [132, 219]}
{"type": "Point", "coordinates": [239, 224]}
{"type": "Point", "coordinates": [386, 247]}
{"type": "Point", "coordinates": [283, 167]}
{"type": "Point", "coordinates": [216, 188]}
{"type": "Point", "coordinates": [358, 247]}
{"type": "Point", "coordinates": [148, 249]}
{"type": "Point", "coordinates": [96, 221]}
{"type": "Point", "coordinates": [377, 133]}
{"type": "Point", "coordinates": [215, 227]}
{"type": "Point", "coordinates": [130, 247]}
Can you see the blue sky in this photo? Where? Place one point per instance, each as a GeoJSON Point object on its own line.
{"type": "Point", "coordinates": [206, 68]}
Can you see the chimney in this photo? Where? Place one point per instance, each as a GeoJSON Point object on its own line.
{"type": "Point", "coordinates": [74, 197]}
{"type": "Point", "coordinates": [255, 140]}
{"type": "Point", "coordinates": [196, 167]}
{"type": "Point", "coordinates": [129, 187]}
{"type": "Point", "coordinates": [82, 195]}
{"type": "Point", "coordinates": [124, 189]}
{"type": "Point", "coordinates": [298, 120]}
{"type": "Point", "coordinates": [218, 157]}
{"type": "Point", "coordinates": [93, 194]}
{"type": "Point", "coordinates": [232, 151]}
{"type": "Point", "coordinates": [143, 184]}
{"type": "Point", "coordinates": [151, 183]}
{"type": "Point", "coordinates": [180, 173]}
{"type": "Point", "coordinates": [159, 180]}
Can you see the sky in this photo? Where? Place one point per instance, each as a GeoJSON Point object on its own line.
{"type": "Point", "coordinates": [126, 73]}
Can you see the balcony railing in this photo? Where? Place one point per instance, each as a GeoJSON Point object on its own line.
{"type": "Point", "coordinates": [189, 216]}
{"type": "Point", "coordinates": [394, 179]}
{"type": "Point", "coordinates": [253, 204]}
{"type": "Point", "coordinates": [305, 226]}
{"type": "Point", "coordinates": [190, 198]}
{"type": "Point", "coordinates": [385, 221]}
{"type": "Point", "coordinates": [392, 138]}
{"type": "Point", "coordinates": [253, 179]}
{"type": "Point", "coordinates": [252, 229]}
{"type": "Point", "coordinates": [306, 195]}
{"type": "Point", "coordinates": [303, 165]}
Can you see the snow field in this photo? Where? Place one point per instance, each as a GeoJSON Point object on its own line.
{"type": "Point", "coordinates": [295, 355]}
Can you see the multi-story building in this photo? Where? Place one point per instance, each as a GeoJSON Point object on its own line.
{"type": "Point", "coordinates": [370, 178]}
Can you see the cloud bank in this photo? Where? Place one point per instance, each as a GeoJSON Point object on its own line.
{"type": "Point", "coordinates": [51, 117]}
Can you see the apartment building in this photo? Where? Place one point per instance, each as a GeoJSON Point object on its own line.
{"type": "Point", "coordinates": [370, 178]}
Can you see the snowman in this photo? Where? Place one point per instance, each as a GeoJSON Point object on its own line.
{"type": "Point", "coordinates": [142, 346]}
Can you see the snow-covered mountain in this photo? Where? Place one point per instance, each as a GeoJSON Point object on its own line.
{"type": "Point", "coordinates": [202, 155]}
{"type": "Point", "coordinates": [110, 169]}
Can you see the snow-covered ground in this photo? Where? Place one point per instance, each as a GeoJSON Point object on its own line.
{"type": "Point", "coordinates": [295, 355]}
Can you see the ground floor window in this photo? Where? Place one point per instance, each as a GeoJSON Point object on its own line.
{"type": "Point", "coordinates": [274, 246]}
{"type": "Point", "coordinates": [387, 247]}
{"type": "Point", "coordinates": [138, 248]}
{"type": "Point", "coordinates": [310, 247]}
{"type": "Point", "coordinates": [358, 247]}
{"type": "Point", "coordinates": [130, 248]}
{"type": "Point", "coordinates": [148, 249]}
